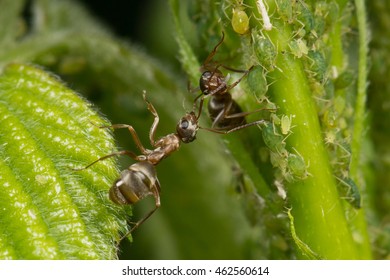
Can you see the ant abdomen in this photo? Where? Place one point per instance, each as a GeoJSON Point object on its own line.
{"type": "Point", "coordinates": [224, 112]}
{"type": "Point", "coordinates": [135, 183]}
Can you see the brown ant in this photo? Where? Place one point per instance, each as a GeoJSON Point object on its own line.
{"type": "Point", "coordinates": [140, 180]}
{"type": "Point", "coordinates": [224, 112]}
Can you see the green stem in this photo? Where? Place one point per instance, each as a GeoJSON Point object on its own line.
{"type": "Point", "coordinates": [359, 223]}
{"type": "Point", "coordinates": [359, 115]}
{"type": "Point", "coordinates": [319, 218]}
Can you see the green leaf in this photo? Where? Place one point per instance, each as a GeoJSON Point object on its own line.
{"type": "Point", "coordinates": [48, 210]}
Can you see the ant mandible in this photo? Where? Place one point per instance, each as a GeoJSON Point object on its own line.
{"type": "Point", "coordinates": [224, 112]}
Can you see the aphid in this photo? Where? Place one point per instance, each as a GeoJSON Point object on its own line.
{"type": "Point", "coordinates": [273, 140]}
{"type": "Point", "coordinates": [240, 21]}
{"type": "Point", "coordinates": [285, 9]}
{"type": "Point", "coordinates": [224, 112]}
{"type": "Point", "coordinates": [344, 80]}
{"type": "Point", "coordinates": [317, 65]}
{"type": "Point", "coordinates": [330, 118]}
{"type": "Point", "coordinates": [352, 191]}
{"type": "Point", "coordinates": [257, 83]}
{"type": "Point", "coordinates": [304, 16]}
{"type": "Point", "coordinates": [297, 166]}
{"type": "Point", "coordinates": [265, 52]}
{"type": "Point", "coordinates": [298, 48]}
{"type": "Point", "coordinates": [285, 124]}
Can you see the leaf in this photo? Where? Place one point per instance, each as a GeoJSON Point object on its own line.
{"type": "Point", "coordinates": [48, 210]}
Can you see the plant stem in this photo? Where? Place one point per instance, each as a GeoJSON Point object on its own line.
{"type": "Point", "coordinates": [359, 223]}
{"type": "Point", "coordinates": [319, 218]}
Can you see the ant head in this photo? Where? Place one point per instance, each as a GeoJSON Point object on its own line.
{"type": "Point", "coordinates": [187, 127]}
{"type": "Point", "coordinates": [212, 82]}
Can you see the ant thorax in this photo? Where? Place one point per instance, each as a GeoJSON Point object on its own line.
{"type": "Point", "coordinates": [163, 148]}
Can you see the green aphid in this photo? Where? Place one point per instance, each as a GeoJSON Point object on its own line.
{"type": "Point", "coordinates": [305, 17]}
{"type": "Point", "coordinates": [328, 11]}
{"type": "Point", "coordinates": [265, 52]}
{"type": "Point", "coordinates": [352, 192]}
{"type": "Point", "coordinates": [344, 80]}
{"type": "Point", "coordinates": [317, 65]}
{"type": "Point", "coordinates": [329, 118]}
{"type": "Point", "coordinates": [285, 9]}
{"type": "Point", "coordinates": [297, 166]}
{"type": "Point", "coordinates": [285, 124]}
{"type": "Point", "coordinates": [240, 21]}
{"type": "Point", "coordinates": [273, 139]}
{"type": "Point", "coordinates": [257, 83]}
{"type": "Point", "coordinates": [298, 48]}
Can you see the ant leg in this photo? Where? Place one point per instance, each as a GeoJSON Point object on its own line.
{"type": "Point", "coordinates": [259, 122]}
{"type": "Point", "coordinates": [134, 134]}
{"type": "Point", "coordinates": [128, 153]}
{"type": "Point", "coordinates": [225, 113]}
{"type": "Point", "coordinates": [153, 128]}
{"type": "Point", "coordinates": [234, 69]}
{"type": "Point", "coordinates": [229, 87]}
{"type": "Point", "coordinates": [156, 194]}
{"type": "Point", "coordinates": [244, 114]}
{"type": "Point", "coordinates": [222, 114]}
{"type": "Point", "coordinates": [191, 89]}
{"type": "Point", "coordinates": [246, 72]}
{"type": "Point", "coordinates": [221, 131]}
{"type": "Point", "coordinates": [211, 55]}
{"type": "Point", "coordinates": [200, 105]}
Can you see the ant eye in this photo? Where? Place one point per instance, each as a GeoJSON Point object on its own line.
{"type": "Point", "coordinates": [184, 124]}
{"type": "Point", "coordinates": [204, 82]}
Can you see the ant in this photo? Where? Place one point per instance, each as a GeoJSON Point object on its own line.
{"type": "Point", "coordinates": [224, 112]}
{"type": "Point", "coordinates": [140, 180]}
